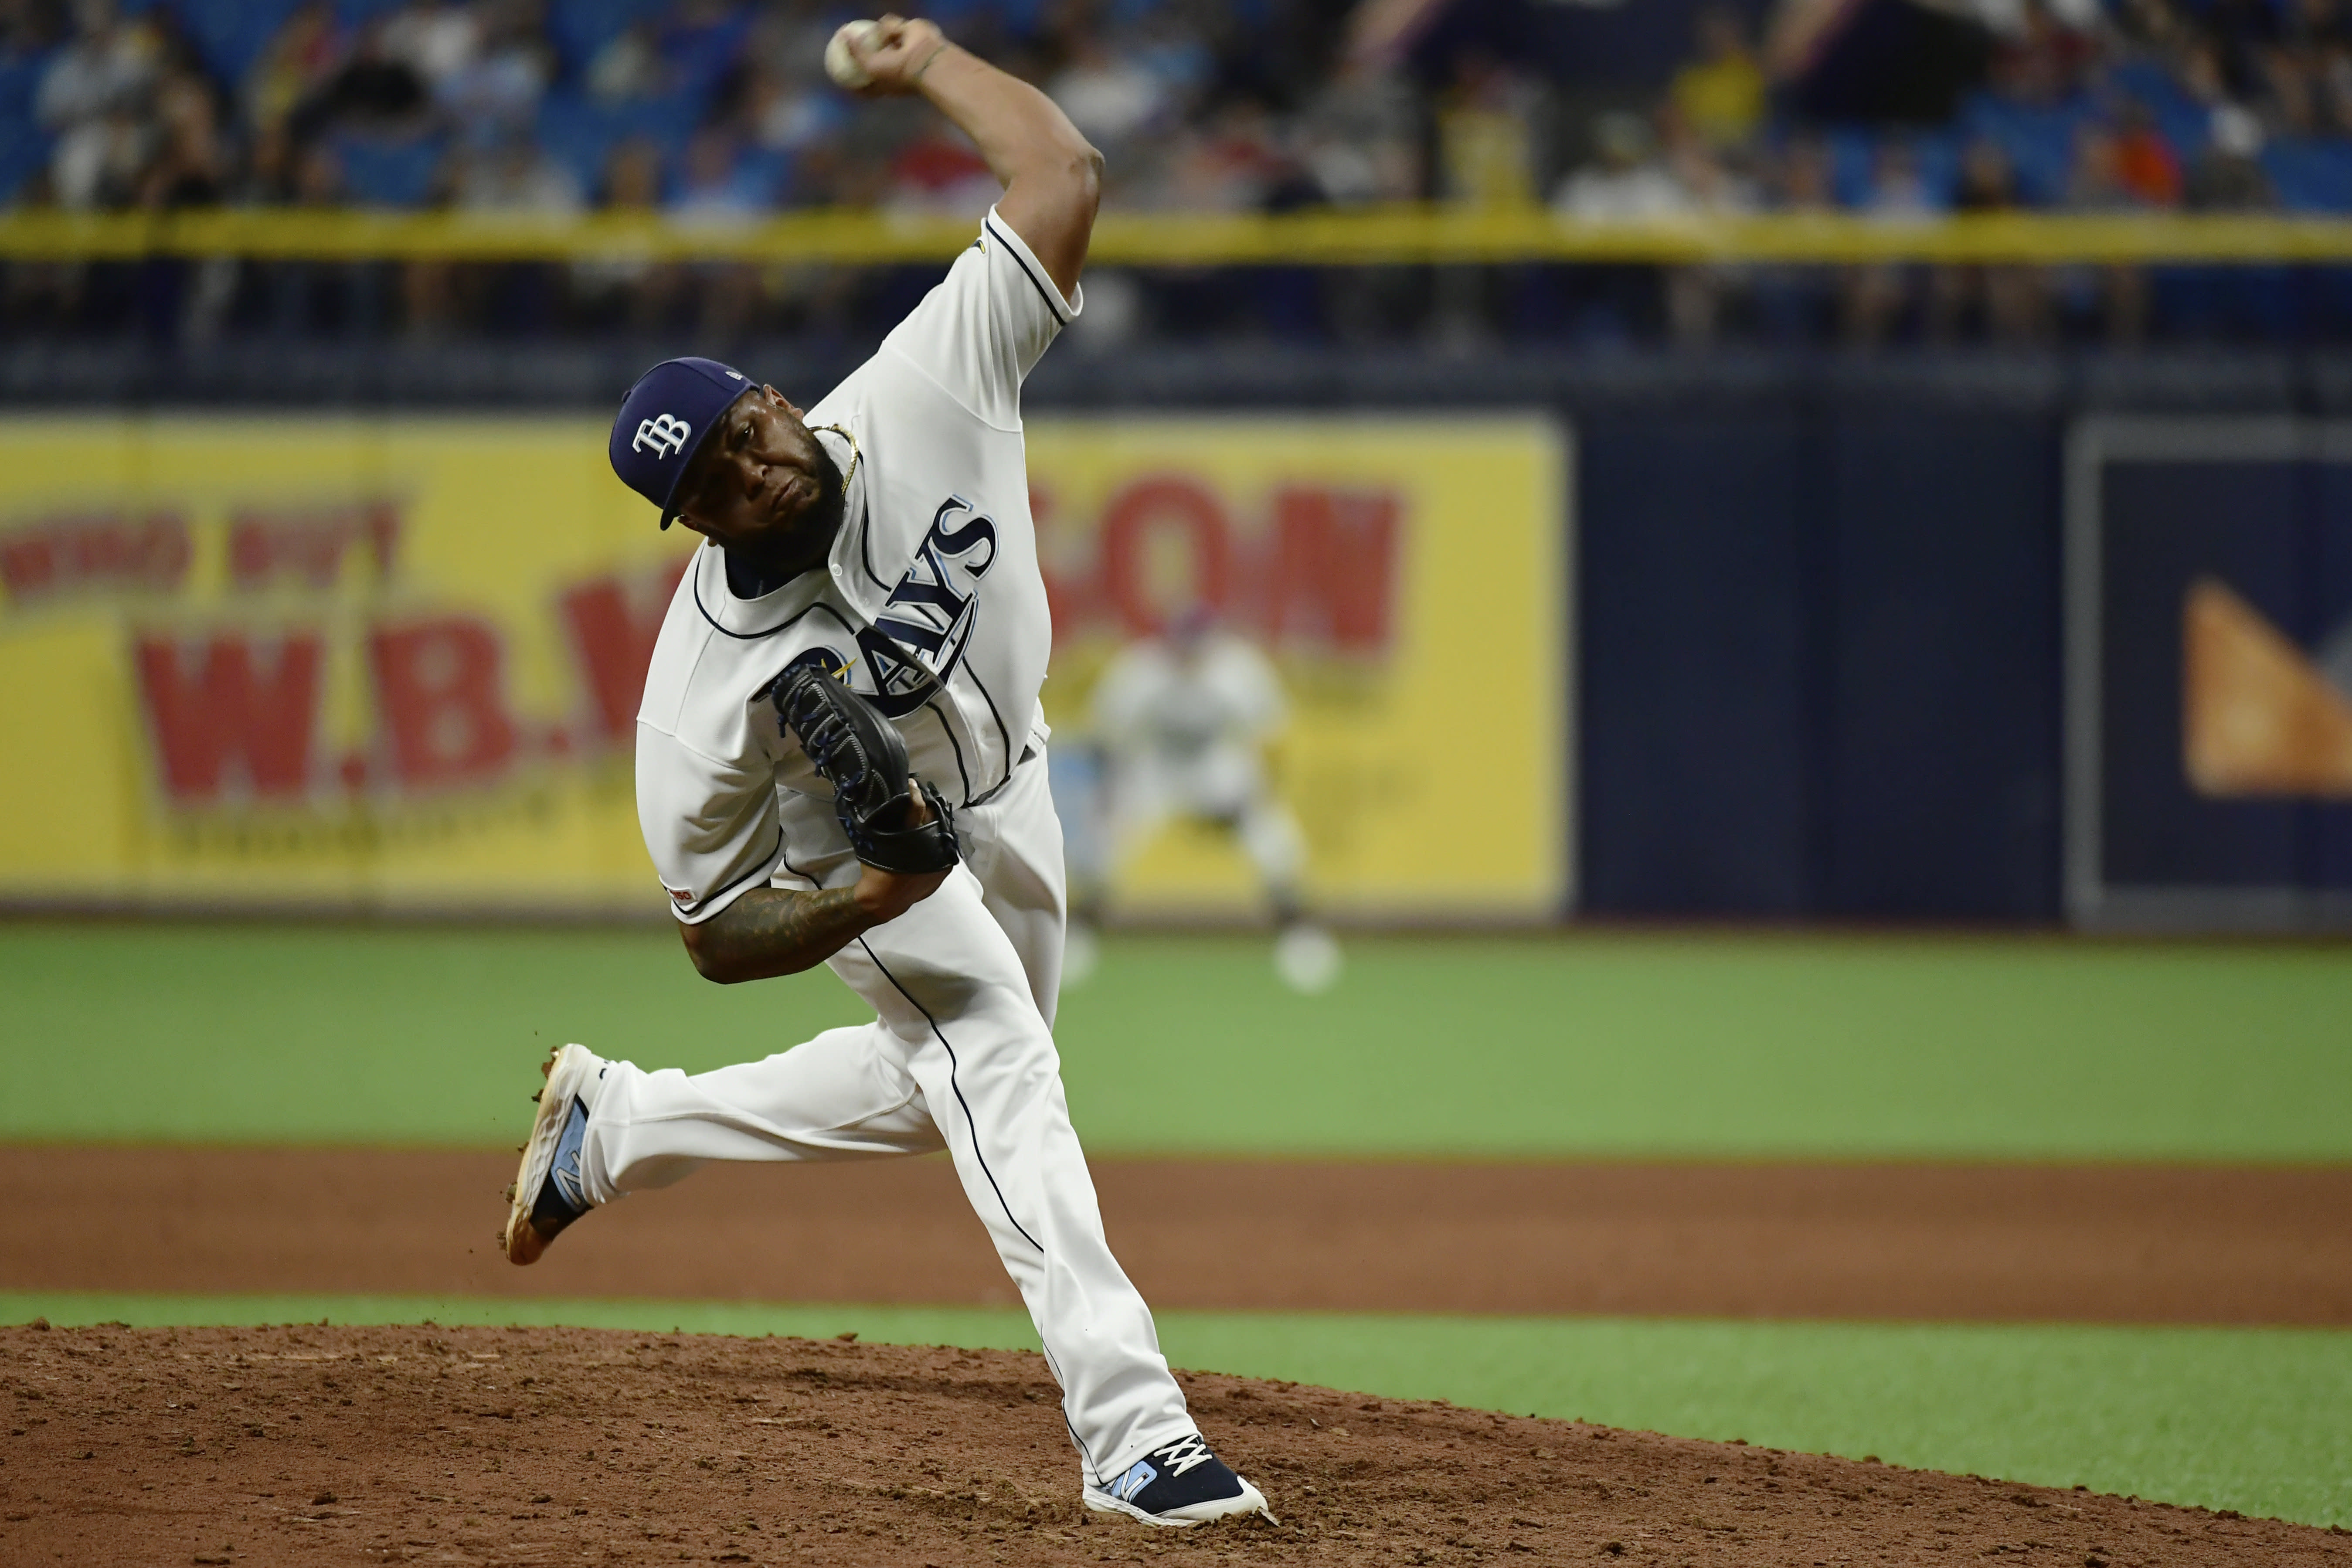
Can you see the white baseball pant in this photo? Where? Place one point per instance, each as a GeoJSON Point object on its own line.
{"type": "Point", "coordinates": [1223, 785]}
{"type": "Point", "coordinates": [960, 1056]}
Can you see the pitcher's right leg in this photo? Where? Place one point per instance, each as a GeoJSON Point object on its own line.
{"type": "Point", "coordinates": [606, 1129]}
{"type": "Point", "coordinates": [844, 1095]}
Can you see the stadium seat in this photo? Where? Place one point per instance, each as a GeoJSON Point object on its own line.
{"type": "Point", "coordinates": [231, 33]}
{"type": "Point", "coordinates": [381, 172]}
{"type": "Point", "coordinates": [581, 133]}
{"type": "Point", "coordinates": [356, 13]}
{"type": "Point", "coordinates": [23, 148]}
{"type": "Point", "coordinates": [701, 55]}
{"type": "Point", "coordinates": [2038, 141]}
{"type": "Point", "coordinates": [1854, 157]}
{"type": "Point", "coordinates": [2311, 174]}
{"type": "Point", "coordinates": [578, 29]}
{"type": "Point", "coordinates": [2185, 123]}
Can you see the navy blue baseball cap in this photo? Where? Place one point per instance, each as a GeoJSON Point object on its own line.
{"type": "Point", "coordinates": [664, 421]}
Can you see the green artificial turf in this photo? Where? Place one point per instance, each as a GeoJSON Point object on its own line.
{"type": "Point", "coordinates": [1605, 1043]}
{"type": "Point", "coordinates": [2244, 1418]}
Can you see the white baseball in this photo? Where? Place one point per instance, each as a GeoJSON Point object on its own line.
{"type": "Point", "coordinates": [839, 63]}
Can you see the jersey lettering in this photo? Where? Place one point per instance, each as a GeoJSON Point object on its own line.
{"type": "Point", "coordinates": [924, 626]}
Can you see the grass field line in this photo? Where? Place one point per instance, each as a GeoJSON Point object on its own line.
{"type": "Point", "coordinates": [2244, 1418]}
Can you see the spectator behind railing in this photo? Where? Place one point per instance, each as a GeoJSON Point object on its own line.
{"type": "Point", "coordinates": [2226, 106]}
{"type": "Point", "coordinates": [93, 100]}
{"type": "Point", "coordinates": [2008, 304]}
{"type": "Point", "coordinates": [1721, 94]}
{"type": "Point", "coordinates": [2103, 181]}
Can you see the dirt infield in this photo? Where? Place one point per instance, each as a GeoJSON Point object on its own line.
{"type": "Point", "coordinates": [1992, 1243]}
{"type": "Point", "coordinates": [334, 1445]}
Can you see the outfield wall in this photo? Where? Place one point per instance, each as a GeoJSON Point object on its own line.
{"type": "Point", "coordinates": [392, 662]}
{"type": "Point", "coordinates": [1819, 662]}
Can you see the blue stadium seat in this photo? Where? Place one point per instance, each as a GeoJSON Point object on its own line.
{"type": "Point", "coordinates": [231, 33]}
{"type": "Point", "coordinates": [581, 133]}
{"type": "Point", "coordinates": [355, 12]}
{"type": "Point", "coordinates": [2185, 123]}
{"type": "Point", "coordinates": [22, 147]}
{"type": "Point", "coordinates": [1852, 152]}
{"type": "Point", "coordinates": [579, 28]}
{"type": "Point", "coordinates": [2311, 175]}
{"type": "Point", "coordinates": [1938, 154]}
{"type": "Point", "coordinates": [767, 174]}
{"type": "Point", "coordinates": [701, 55]}
{"type": "Point", "coordinates": [390, 174]}
{"type": "Point", "coordinates": [2039, 141]}
{"type": "Point", "coordinates": [1853, 158]}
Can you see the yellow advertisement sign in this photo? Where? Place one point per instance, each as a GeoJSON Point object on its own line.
{"type": "Point", "coordinates": [394, 663]}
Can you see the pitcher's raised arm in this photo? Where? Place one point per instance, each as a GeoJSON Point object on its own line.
{"type": "Point", "coordinates": [1052, 175]}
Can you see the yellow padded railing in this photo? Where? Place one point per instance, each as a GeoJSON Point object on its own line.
{"type": "Point", "coordinates": [1377, 237]}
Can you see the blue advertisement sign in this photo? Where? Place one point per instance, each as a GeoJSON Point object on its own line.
{"type": "Point", "coordinates": [2210, 674]}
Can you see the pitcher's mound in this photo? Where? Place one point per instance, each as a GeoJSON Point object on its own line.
{"type": "Point", "coordinates": [567, 1445]}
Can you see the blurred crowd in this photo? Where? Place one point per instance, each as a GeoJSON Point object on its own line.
{"type": "Point", "coordinates": [717, 111]}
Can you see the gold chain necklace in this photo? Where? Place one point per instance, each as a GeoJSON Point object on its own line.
{"type": "Point", "coordinates": [851, 472]}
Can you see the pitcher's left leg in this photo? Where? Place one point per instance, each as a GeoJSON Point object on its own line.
{"type": "Point", "coordinates": [1016, 852]}
{"type": "Point", "coordinates": [946, 978]}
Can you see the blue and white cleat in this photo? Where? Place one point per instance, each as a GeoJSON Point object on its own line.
{"type": "Point", "coordinates": [1179, 1484]}
{"type": "Point", "coordinates": [547, 1195]}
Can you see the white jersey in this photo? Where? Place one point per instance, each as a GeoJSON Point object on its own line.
{"type": "Point", "coordinates": [930, 601]}
{"type": "Point", "coordinates": [1189, 729]}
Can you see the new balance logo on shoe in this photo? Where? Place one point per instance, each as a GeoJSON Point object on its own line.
{"type": "Point", "coordinates": [565, 1170]}
{"type": "Point", "coordinates": [1138, 1475]}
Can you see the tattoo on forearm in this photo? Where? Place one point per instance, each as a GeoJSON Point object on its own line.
{"type": "Point", "coordinates": [776, 930]}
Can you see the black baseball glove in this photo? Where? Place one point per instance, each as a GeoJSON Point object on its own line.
{"type": "Point", "coordinates": [862, 756]}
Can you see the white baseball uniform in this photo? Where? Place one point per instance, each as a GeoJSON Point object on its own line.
{"type": "Point", "coordinates": [1183, 729]}
{"type": "Point", "coordinates": [932, 603]}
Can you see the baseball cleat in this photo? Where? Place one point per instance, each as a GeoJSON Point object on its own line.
{"type": "Point", "coordinates": [547, 1195]}
{"type": "Point", "coordinates": [1179, 1484]}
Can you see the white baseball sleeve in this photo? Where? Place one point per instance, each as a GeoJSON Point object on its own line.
{"type": "Point", "coordinates": [982, 330]}
{"type": "Point", "coordinates": [712, 827]}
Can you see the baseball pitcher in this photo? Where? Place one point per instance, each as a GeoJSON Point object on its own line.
{"type": "Point", "coordinates": [841, 761]}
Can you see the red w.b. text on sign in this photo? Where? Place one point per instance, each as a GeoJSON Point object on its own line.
{"type": "Point", "coordinates": [234, 695]}
{"type": "Point", "coordinates": [231, 713]}
{"type": "Point", "coordinates": [234, 714]}
{"type": "Point", "coordinates": [1308, 567]}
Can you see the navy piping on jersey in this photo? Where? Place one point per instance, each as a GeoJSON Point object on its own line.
{"type": "Point", "coordinates": [1015, 251]}
{"type": "Point", "coordinates": [766, 866]}
{"type": "Point", "coordinates": [695, 582]}
{"type": "Point", "coordinates": [816, 883]}
{"type": "Point", "coordinates": [931, 704]}
{"type": "Point", "coordinates": [1010, 761]}
{"type": "Point", "coordinates": [1028, 753]}
{"type": "Point", "coordinates": [865, 545]}
{"type": "Point", "coordinates": [968, 1118]}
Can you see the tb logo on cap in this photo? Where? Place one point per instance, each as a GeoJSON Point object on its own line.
{"type": "Point", "coordinates": [665, 435]}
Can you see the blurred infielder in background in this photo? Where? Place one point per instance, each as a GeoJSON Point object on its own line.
{"type": "Point", "coordinates": [1182, 722]}
{"type": "Point", "coordinates": [867, 606]}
